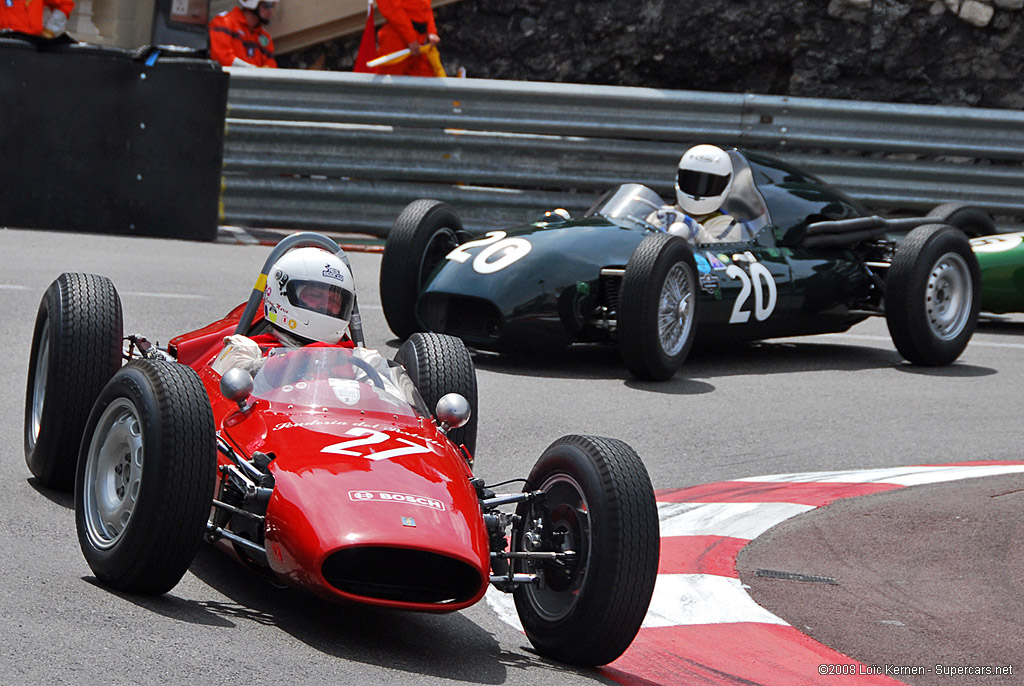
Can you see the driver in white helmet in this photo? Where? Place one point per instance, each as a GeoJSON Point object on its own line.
{"type": "Point", "coordinates": [703, 180]}
{"type": "Point", "coordinates": [308, 300]}
{"type": "Point", "coordinates": [238, 37]}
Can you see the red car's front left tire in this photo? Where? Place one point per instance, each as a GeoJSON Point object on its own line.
{"type": "Point", "coordinates": [146, 476]}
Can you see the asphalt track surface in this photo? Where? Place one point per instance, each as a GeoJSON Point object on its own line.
{"type": "Point", "coordinates": [925, 575]}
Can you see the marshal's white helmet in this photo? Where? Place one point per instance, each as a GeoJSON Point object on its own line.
{"type": "Point", "coordinates": [310, 294]}
{"type": "Point", "coordinates": [704, 179]}
{"type": "Point", "coordinates": [253, 4]}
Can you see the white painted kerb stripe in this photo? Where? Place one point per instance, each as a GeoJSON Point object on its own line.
{"type": "Point", "coordinates": [678, 600]}
{"type": "Point", "coordinates": [683, 599]}
{"type": "Point", "coordinates": [902, 476]}
{"type": "Point", "coordinates": [736, 520]}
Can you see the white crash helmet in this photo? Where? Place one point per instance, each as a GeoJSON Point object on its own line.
{"type": "Point", "coordinates": [254, 4]}
{"type": "Point", "coordinates": [310, 294]}
{"type": "Point", "coordinates": [703, 180]}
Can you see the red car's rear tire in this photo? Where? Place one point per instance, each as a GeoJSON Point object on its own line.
{"type": "Point", "coordinates": [76, 348]}
{"type": "Point", "coordinates": [438, 365]}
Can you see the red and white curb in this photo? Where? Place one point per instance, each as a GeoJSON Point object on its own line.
{"type": "Point", "coordinates": [702, 626]}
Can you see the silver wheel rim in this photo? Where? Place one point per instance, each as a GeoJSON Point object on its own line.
{"type": "Point", "coordinates": [564, 492]}
{"type": "Point", "coordinates": [39, 384]}
{"type": "Point", "coordinates": [675, 309]}
{"type": "Point", "coordinates": [113, 474]}
{"type": "Point", "coordinates": [948, 296]}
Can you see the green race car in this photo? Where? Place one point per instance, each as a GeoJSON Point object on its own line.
{"type": "Point", "coordinates": [1001, 258]}
{"type": "Point", "coordinates": [787, 255]}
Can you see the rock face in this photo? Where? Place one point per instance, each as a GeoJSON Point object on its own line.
{"type": "Point", "coordinates": [952, 52]}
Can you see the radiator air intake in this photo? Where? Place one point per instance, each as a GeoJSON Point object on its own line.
{"type": "Point", "coordinates": [401, 575]}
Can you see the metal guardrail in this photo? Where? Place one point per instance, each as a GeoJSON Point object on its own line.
{"type": "Point", "coordinates": [346, 152]}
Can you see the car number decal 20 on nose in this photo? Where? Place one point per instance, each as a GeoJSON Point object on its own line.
{"type": "Point", "coordinates": [499, 253]}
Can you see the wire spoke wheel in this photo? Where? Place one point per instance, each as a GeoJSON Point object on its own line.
{"type": "Point", "coordinates": [658, 307]}
{"type": "Point", "coordinates": [674, 310]}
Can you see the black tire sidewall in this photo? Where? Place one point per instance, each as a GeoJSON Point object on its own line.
{"type": "Point", "coordinates": [166, 525]}
{"type": "Point", "coordinates": [973, 221]}
{"type": "Point", "coordinates": [905, 312]}
{"type": "Point", "coordinates": [572, 461]}
{"type": "Point", "coordinates": [439, 364]}
{"type": "Point", "coordinates": [598, 627]}
{"type": "Point", "coordinates": [402, 271]}
{"type": "Point", "coordinates": [642, 283]}
{"type": "Point", "coordinates": [43, 443]}
{"type": "Point", "coordinates": [84, 353]}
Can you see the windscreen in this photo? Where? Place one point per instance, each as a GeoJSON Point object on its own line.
{"type": "Point", "coordinates": [331, 377]}
{"type": "Point", "coordinates": [628, 201]}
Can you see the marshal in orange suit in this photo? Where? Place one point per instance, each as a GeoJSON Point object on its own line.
{"type": "Point", "coordinates": [27, 16]}
{"type": "Point", "coordinates": [409, 24]}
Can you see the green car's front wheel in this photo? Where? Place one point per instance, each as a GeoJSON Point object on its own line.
{"type": "Point", "coordinates": [424, 233]}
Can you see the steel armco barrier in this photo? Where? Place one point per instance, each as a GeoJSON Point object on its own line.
{"type": "Point", "coordinates": [346, 152]}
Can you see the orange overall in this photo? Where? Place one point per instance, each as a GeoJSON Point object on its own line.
{"type": "Point", "coordinates": [27, 15]}
{"type": "Point", "coordinates": [408, 21]}
{"type": "Point", "coordinates": [231, 37]}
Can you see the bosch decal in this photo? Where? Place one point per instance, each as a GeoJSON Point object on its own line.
{"type": "Point", "coordinates": [389, 497]}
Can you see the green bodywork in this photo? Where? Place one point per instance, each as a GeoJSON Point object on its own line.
{"type": "Point", "coordinates": [557, 280]}
{"type": "Point", "coordinates": [1001, 258]}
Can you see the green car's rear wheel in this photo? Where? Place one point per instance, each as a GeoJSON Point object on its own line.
{"type": "Point", "coordinates": [933, 295]}
{"type": "Point", "coordinates": [657, 318]}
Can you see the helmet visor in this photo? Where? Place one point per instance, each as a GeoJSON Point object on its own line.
{"type": "Point", "coordinates": [321, 298]}
{"type": "Point", "coordinates": [699, 184]}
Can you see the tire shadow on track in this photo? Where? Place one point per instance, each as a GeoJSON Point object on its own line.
{"type": "Point", "coordinates": [65, 500]}
{"type": "Point", "coordinates": [449, 646]}
{"type": "Point", "coordinates": [705, 362]}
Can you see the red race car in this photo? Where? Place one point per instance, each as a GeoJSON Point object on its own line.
{"type": "Point", "coordinates": [326, 470]}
